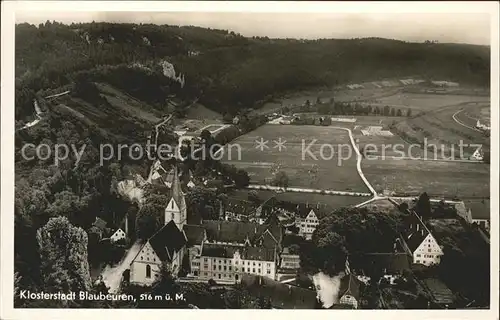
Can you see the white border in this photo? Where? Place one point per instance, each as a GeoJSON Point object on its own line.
{"type": "Point", "coordinates": [7, 145]}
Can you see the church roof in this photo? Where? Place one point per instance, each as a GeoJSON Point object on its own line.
{"type": "Point", "coordinates": [176, 191]}
{"type": "Point", "coordinates": [167, 241]}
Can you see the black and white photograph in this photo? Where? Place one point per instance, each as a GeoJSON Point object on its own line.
{"type": "Point", "coordinates": [216, 155]}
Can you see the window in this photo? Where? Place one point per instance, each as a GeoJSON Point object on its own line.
{"type": "Point", "coordinates": [253, 270]}
{"type": "Point", "coordinates": [148, 271]}
{"type": "Point", "coordinates": [225, 261]}
{"type": "Point", "coordinates": [268, 271]}
{"type": "Point", "coordinates": [258, 271]}
{"type": "Point", "coordinates": [229, 268]}
{"type": "Point", "coordinates": [205, 260]}
{"type": "Point", "coordinates": [224, 268]}
{"type": "Point", "coordinates": [220, 267]}
{"type": "Point", "coordinates": [418, 261]}
{"type": "Point", "coordinates": [219, 275]}
{"type": "Point", "coordinates": [429, 250]}
{"type": "Point", "coordinates": [206, 273]}
{"type": "Point", "coordinates": [259, 264]}
{"type": "Point", "coordinates": [147, 258]}
{"type": "Point", "coordinates": [214, 267]}
{"type": "Point", "coordinates": [418, 255]}
{"type": "Point", "coordinates": [254, 263]}
{"type": "Point", "coordinates": [236, 277]}
{"type": "Point", "coordinates": [236, 262]}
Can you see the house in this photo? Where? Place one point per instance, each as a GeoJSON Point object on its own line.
{"type": "Point", "coordinates": [119, 234]}
{"type": "Point", "coordinates": [195, 236]}
{"type": "Point", "coordinates": [281, 295]}
{"type": "Point", "coordinates": [306, 221]}
{"type": "Point", "coordinates": [289, 261]}
{"type": "Point", "coordinates": [349, 291]}
{"type": "Point", "coordinates": [227, 262]}
{"type": "Point", "coordinates": [165, 246]}
{"type": "Point", "coordinates": [420, 243]}
{"type": "Point", "coordinates": [477, 212]}
{"type": "Point", "coordinates": [477, 155]}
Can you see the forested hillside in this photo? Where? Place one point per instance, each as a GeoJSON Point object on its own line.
{"type": "Point", "coordinates": [226, 70]}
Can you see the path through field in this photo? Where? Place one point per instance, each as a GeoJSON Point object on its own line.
{"type": "Point", "coordinates": [112, 276]}
{"type": "Point", "coordinates": [461, 123]}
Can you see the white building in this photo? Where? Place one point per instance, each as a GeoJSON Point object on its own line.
{"type": "Point", "coordinates": [167, 245]}
{"type": "Point", "coordinates": [306, 223]}
{"type": "Point", "coordinates": [227, 262]}
{"type": "Point", "coordinates": [118, 235]}
{"type": "Point", "coordinates": [349, 291]}
{"type": "Point", "coordinates": [422, 245]}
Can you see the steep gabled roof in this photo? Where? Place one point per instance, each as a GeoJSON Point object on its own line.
{"type": "Point", "coordinates": [195, 234]}
{"type": "Point", "coordinates": [176, 191]}
{"type": "Point", "coordinates": [168, 240]}
{"type": "Point", "coordinates": [415, 239]}
{"type": "Point", "coordinates": [349, 284]}
{"type": "Point", "coordinates": [246, 253]}
{"type": "Point", "coordinates": [237, 231]}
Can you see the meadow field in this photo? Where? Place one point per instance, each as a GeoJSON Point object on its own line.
{"type": "Point", "coordinates": [326, 203]}
{"type": "Point", "coordinates": [437, 178]}
{"type": "Point", "coordinates": [319, 168]}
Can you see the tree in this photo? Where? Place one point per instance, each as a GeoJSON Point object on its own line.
{"type": "Point", "coordinates": [227, 118]}
{"type": "Point", "coordinates": [241, 179]}
{"type": "Point", "coordinates": [423, 206]}
{"type": "Point", "coordinates": [151, 216]}
{"type": "Point", "coordinates": [63, 252]}
{"type": "Point", "coordinates": [280, 179]}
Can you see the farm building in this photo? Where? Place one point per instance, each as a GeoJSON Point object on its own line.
{"type": "Point", "coordinates": [349, 291]}
{"type": "Point", "coordinates": [420, 243]}
{"type": "Point", "coordinates": [119, 234]}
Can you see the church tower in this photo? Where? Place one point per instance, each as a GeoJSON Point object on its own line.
{"type": "Point", "coordinates": [176, 208]}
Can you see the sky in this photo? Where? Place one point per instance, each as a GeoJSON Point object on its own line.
{"type": "Point", "coordinates": [459, 27]}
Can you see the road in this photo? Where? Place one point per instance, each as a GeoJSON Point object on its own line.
{"type": "Point", "coordinates": [112, 276]}
{"type": "Point", "coordinates": [461, 123]}
{"type": "Point", "coordinates": [38, 113]}
{"type": "Point", "coordinates": [308, 190]}
{"type": "Point", "coordinates": [358, 163]}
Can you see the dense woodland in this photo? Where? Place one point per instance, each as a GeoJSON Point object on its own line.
{"type": "Point", "coordinates": [226, 70]}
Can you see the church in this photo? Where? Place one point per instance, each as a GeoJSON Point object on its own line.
{"type": "Point", "coordinates": [167, 245]}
